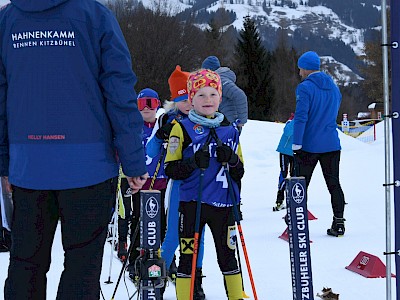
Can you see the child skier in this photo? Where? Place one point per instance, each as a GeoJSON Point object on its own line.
{"type": "Point", "coordinates": [129, 208]}
{"type": "Point", "coordinates": [198, 147]}
{"type": "Point", "coordinates": [176, 110]}
{"type": "Point", "coordinates": [285, 161]}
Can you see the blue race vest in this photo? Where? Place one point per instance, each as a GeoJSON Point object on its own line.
{"type": "Point", "coordinates": [215, 186]}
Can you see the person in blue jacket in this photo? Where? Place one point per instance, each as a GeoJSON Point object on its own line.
{"type": "Point", "coordinates": [285, 161]}
{"type": "Point", "coordinates": [315, 136]}
{"type": "Point", "coordinates": [67, 111]}
{"type": "Point", "coordinates": [129, 204]}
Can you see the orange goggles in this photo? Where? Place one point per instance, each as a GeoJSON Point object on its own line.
{"type": "Point", "coordinates": [150, 103]}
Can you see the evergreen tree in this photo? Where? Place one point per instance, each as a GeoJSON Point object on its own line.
{"type": "Point", "coordinates": [253, 72]}
{"type": "Point", "coordinates": [372, 70]}
{"type": "Point", "coordinates": [285, 79]}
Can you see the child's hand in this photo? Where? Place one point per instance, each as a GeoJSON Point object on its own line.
{"type": "Point", "coordinates": [136, 183]}
{"type": "Point", "coordinates": [163, 132]}
{"type": "Point", "coordinates": [202, 159]}
{"type": "Point", "coordinates": [226, 155]}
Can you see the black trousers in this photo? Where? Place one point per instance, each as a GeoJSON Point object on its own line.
{"type": "Point", "coordinates": [222, 225]}
{"type": "Point", "coordinates": [286, 165]}
{"type": "Point", "coordinates": [84, 214]}
{"type": "Point", "coordinates": [305, 163]}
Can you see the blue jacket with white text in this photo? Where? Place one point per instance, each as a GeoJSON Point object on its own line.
{"type": "Point", "coordinates": [67, 103]}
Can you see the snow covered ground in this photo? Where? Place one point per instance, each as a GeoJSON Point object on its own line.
{"type": "Point", "coordinates": [362, 176]}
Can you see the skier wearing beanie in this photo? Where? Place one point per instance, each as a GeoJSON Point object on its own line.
{"type": "Point", "coordinates": [198, 147]}
{"type": "Point", "coordinates": [315, 136]}
{"type": "Point", "coordinates": [129, 206]}
{"type": "Point", "coordinates": [176, 110]}
{"type": "Point", "coordinates": [234, 100]}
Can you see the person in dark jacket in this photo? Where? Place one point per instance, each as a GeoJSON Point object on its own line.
{"type": "Point", "coordinates": [315, 136]}
{"type": "Point", "coordinates": [67, 111]}
{"type": "Point", "coordinates": [234, 100]}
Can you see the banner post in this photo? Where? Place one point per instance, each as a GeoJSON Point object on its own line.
{"type": "Point", "coordinates": [299, 240]}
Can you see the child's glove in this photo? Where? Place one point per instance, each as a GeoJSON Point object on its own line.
{"type": "Point", "coordinates": [202, 159]}
{"type": "Point", "coordinates": [225, 155]}
{"type": "Point", "coordinates": [163, 132]}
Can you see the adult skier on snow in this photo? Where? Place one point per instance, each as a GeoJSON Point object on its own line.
{"type": "Point", "coordinates": [315, 136]}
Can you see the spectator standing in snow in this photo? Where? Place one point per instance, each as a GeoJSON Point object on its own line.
{"type": "Point", "coordinates": [315, 136]}
{"type": "Point", "coordinates": [285, 161]}
{"type": "Point", "coordinates": [234, 100]}
{"type": "Point", "coordinates": [67, 105]}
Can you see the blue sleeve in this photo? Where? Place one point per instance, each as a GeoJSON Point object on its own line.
{"type": "Point", "coordinates": [153, 146]}
{"type": "Point", "coordinates": [301, 114]}
{"type": "Point", "coordinates": [239, 99]}
{"type": "Point", "coordinates": [117, 81]}
{"type": "Point", "coordinates": [288, 130]}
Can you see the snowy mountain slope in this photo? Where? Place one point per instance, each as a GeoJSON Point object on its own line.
{"type": "Point", "coordinates": [362, 175]}
{"type": "Point", "coordinates": [308, 27]}
{"type": "Point", "coordinates": [318, 20]}
{"type": "Point", "coordinates": [341, 73]}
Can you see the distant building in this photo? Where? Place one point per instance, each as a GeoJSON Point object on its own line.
{"type": "Point", "coordinates": [376, 110]}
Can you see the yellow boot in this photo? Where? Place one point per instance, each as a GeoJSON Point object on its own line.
{"type": "Point", "coordinates": [183, 288]}
{"type": "Point", "coordinates": [233, 285]}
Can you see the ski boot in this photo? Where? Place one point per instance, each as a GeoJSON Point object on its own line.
{"type": "Point", "coordinates": [279, 201]}
{"type": "Point", "coordinates": [133, 273]}
{"type": "Point", "coordinates": [173, 269]}
{"type": "Point", "coordinates": [122, 250]}
{"type": "Point", "coordinates": [337, 229]}
{"type": "Point", "coordinates": [198, 285]}
{"type": "Point", "coordinates": [5, 241]}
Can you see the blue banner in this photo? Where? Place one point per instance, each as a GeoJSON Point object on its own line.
{"type": "Point", "coordinates": [299, 240]}
{"type": "Point", "coordinates": [152, 268]}
{"type": "Point", "coordinates": [395, 71]}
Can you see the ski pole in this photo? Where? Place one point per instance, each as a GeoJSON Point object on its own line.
{"type": "Point", "coordinates": [219, 143]}
{"type": "Point", "coordinates": [153, 180]}
{"type": "Point", "coordinates": [126, 260]}
{"type": "Point", "coordinates": [114, 233]}
{"type": "Point", "coordinates": [240, 266]}
{"type": "Point", "coordinates": [196, 235]}
{"type": "Point", "coordinates": [239, 226]}
{"type": "Point", "coordinates": [197, 220]}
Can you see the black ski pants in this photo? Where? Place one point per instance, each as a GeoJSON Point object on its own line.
{"type": "Point", "coordinates": [84, 214]}
{"type": "Point", "coordinates": [286, 165]}
{"type": "Point", "coordinates": [305, 163]}
{"type": "Point", "coordinates": [222, 225]}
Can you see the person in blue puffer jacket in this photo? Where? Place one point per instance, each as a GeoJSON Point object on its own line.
{"type": "Point", "coordinates": [234, 101]}
{"type": "Point", "coordinates": [67, 111]}
{"type": "Point", "coordinates": [315, 136]}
